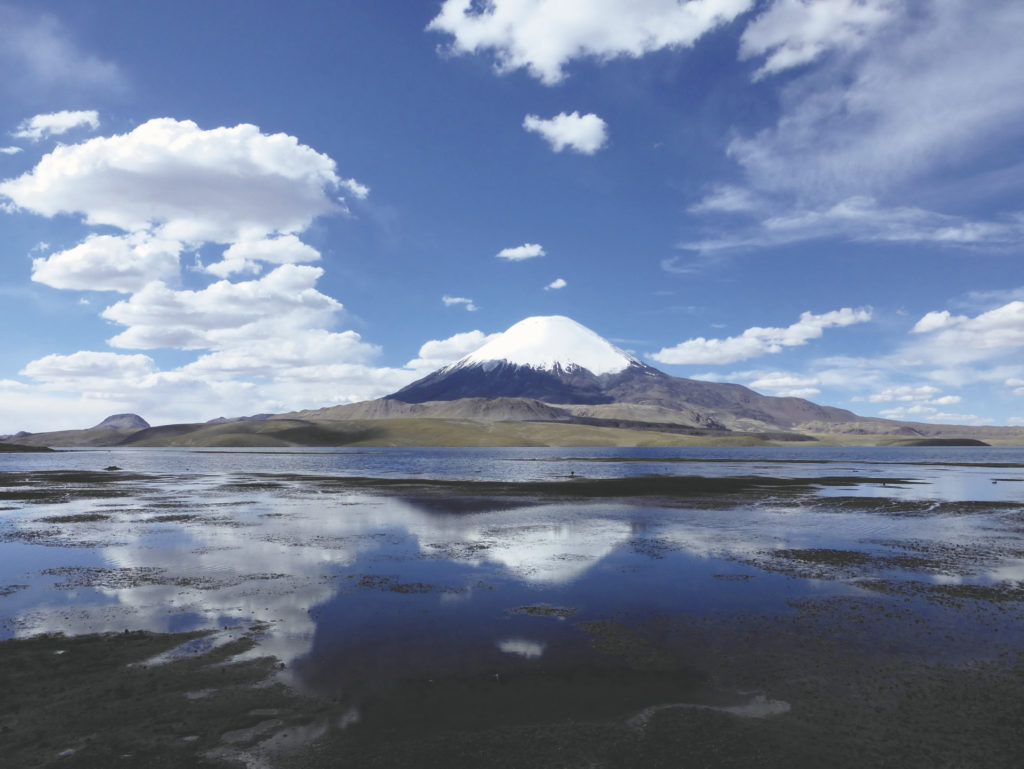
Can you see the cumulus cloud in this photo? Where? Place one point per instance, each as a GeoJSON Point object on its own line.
{"type": "Point", "coordinates": [56, 123]}
{"type": "Point", "coordinates": [759, 341]}
{"type": "Point", "coordinates": [246, 255]}
{"type": "Point", "coordinates": [585, 134]}
{"type": "Point", "coordinates": [556, 284]}
{"type": "Point", "coordinates": [519, 253]}
{"type": "Point", "coordinates": [933, 321]}
{"type": "Point", "coordinates": [286, 353]}
{"type": "Point", "coordinates": [170, 186]}
{"type": "Point", "coordinates": [438, 353]}
{"type": "Point", "coordinates": [294, 371]}
{"type": "Point", "coordinates": [110, 263]}
{"type": "Point", "coordinates": [952, 339]}
{"type": "Point", "coordinates": [786, 384]}
{"type": "Point", "coordinates": [795, 32]}
{"type": "Point", "coordinates": [223, 313]}
{"type": "Point", "coordinates": [87, 370]}
{"type": "Point", "coordinates": [9, 150]}
{"type": "Point", "coordinates": [545, 35]}
{"type": "Point", "coordinates": [455, 301]}
{"type": "Point", "coordinates": [185, 183]}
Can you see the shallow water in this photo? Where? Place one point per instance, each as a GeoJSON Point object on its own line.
{"type": "Point", "coordinates": [361, 590]}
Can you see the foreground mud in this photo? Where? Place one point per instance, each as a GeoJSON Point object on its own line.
{"type": "Point", "coordinates": [834, 684]}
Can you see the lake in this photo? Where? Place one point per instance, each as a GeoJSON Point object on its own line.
{"type": "Point", "coordinates": [427, 592]}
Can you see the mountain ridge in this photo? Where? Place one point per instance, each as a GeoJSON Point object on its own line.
{"type": "Point", "coordinates": [542, 365]}
{"type": "Point", "coordinates": [531, 386]}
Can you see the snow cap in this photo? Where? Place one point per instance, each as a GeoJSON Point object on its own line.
{"type": "Point", "coordinates": [550, 342]}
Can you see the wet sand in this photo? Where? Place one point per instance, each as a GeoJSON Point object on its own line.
{"type": "Point", "coordinates": [888, 648]}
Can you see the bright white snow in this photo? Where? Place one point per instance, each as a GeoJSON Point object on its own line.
{"type": "Point", "coordinates": [549, 342]}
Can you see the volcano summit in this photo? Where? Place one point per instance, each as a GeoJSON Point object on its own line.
{"type": "Point", "coordinates": [558, 361]}
{"type": "Point", "coordinates": [552, 359]}
{"type": "Point", "coordinates": [547, 381]}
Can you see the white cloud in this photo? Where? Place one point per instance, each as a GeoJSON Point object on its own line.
{"type": "Point", "coordinates": [858, 218]}
{"type": "Point", "coordinates": [556, 284]}
{"type": "Point", "coordinates": [927, 94]}
{"type": "Point", "coordinates": [795, 32]}
{"type": "Point", "coordinates": [960, 419]}
{"type": "Point", "coordinates": [758, 341]}
{"type": "Point", "coordinates": [360, 191]}
{"type": "Point", "coordinates": [727, 199]}
{"type": "Point", "coordinates": [56, 123]}
{"type": "Point", "coordinates": [286, 374]}
{"type": "Point", "coordinates": [287, 352]}
{"type": "Point", "coordinates": [545, 35]}
{"type": "Point", "coordinates": [9, 150]}
{"type": "Point", "coordinates": [220, 185]}
{"type": "Point", "coordinates": [786, 384]}
{"type": "Point", "coordinates": [952, 339]}
{"type": "Point", "coordinates": [246, 255]}
{"type": "Point", "coordinates": [933, 321]}
{"type": "Point", "coordinates": [170, 185]}
{"type": "Point", "coordinates": [109, 263]}
{"type": "Point", "coordinates": [86, 370]}
{"type": "Point", "coordinates": [36, 53]}
{"type": "Point", "coordinates": [438, 353]}
{"type": "Point", "coordinates": [585, 134]}
{"type": "Point", "coordinates": [916, 411]}
{"type": "Point", "coordinates": [223, 313]}
{"type": "Point", "coordinates": [455, 301]}
{"type": "Point", "coordinates": [917, 108]}
{"type": "Point", "coordinates": [525, 251]}
{"type": "Point", "coordinates": [905, 393]}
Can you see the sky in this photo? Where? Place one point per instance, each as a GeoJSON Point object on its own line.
{"type": "Point", "coordinates": [241, 207]}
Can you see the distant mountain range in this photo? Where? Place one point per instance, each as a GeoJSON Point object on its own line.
{"type": "Point", "coordinates": [545, 381]}
{"type": "Point", "coordinates": [556, 360]}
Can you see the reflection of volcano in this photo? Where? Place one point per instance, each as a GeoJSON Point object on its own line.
{"type": "Point", "coordinates": [278, 558]}
{"type": "Point", "coordinates": [553, 554]}
{"type": "Point", "coordinates": [529, 540]}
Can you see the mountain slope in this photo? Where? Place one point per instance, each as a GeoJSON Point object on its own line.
{"type": "Point", "coordinates": [556, 360]}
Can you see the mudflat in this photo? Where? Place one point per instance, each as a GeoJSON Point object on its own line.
{"type": "Point", "coordinates": [857, 615]}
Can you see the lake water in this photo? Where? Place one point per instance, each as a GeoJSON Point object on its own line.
{"type": "Point", "coordinates": [358, 590]}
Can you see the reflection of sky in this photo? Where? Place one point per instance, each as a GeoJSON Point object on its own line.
{"type": "Point", "coordinates": [294, 559]}
{"type": "Point", "coordinates": [278, 557]}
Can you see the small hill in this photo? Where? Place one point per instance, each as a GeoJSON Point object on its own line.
{"type": "Point", "coordinates": [123, 422]}
{"type": "Point", "coordinates": [110, 432]}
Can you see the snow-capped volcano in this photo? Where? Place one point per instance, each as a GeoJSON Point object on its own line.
{"type": "Point", "coordinates": [557, 361]}
{"type": "Point", "coordinates": [552, 359]}
{"type": "Point", "coordinates": [551, 343]}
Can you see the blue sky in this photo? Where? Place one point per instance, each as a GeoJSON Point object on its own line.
{"type": "Point", "coordinates": [229, 208]}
